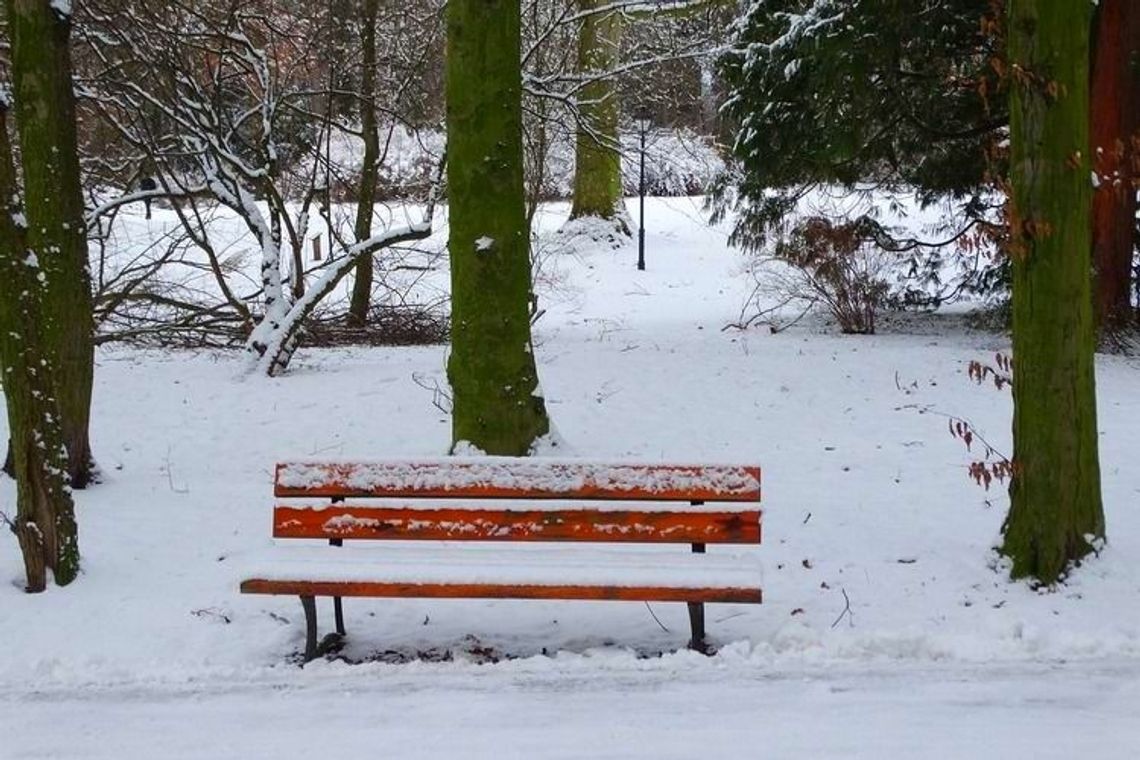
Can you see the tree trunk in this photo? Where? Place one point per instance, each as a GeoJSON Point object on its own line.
{"type": "Point", "coordinates": [497, 406]}
{"type": "Point", "coordinates": [1055, 499]}
{"type": "Point", "coordinates": [1114, 122]}
{"type": "Point", "coordinates": [369, 174]}
{"type": "Point", "coordinates": [45, 517]}
{"type": "Point", "coordinates": [597, 157]}
{"type": "Point", "coordinates": [45, 111]}
{"type": "Point", "coordinates": [710, 105]}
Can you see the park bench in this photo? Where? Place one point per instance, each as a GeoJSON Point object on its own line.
{"type": "Point", "coordinates": [504, 499]}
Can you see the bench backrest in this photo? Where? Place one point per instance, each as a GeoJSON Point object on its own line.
{"type": "Point", "coordinates": [480, 499]}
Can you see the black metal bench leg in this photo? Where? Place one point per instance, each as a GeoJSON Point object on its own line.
{"type": "Point", "coordinates": [697, 623]}
{"type": "Point", "coordinates": [310, 606]}
{"type": "Point", "coordinates": [697, 617]}
{"type": "Point", "coordinates": [338, 609]}
{"type": "Point", "coordinates": [338, 613]}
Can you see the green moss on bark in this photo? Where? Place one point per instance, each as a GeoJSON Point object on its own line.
{"type": "Point", "coordinates": [496, 403]}
{"type": "Point", "coordinates": [597, 157]}
{"type": "Point", "coordinates": [1055, 510]}
{"type": "Point", "coordinates": [45, 516]}
{"type": "Point", "coordinates": [45, 111]}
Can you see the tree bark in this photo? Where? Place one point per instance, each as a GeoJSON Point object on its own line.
{"type": "Point", "coordinates": [45, 517]}
{"type": "Point", "coordinates": [597, 156]}
{"type": "Point", "coordinates": [1055, 513]}
{"type": "Point", "coordinates": [1115, 110]}
{"type": "Point", "coordinates": [369, 174]}
{"type": "Point", "coordinates": [497, 406]}
{"type": "Point", "coordinates": [45, 111]}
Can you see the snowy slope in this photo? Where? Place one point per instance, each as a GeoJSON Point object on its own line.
{"type": "Point", "coordinates": [880, 587]}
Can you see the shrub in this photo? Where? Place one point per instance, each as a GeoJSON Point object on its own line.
{"type": "Point", "coordinates": [840, 266]}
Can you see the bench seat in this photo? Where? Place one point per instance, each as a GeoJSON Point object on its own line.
{"type": "Point", "coordinates": [534, 572]}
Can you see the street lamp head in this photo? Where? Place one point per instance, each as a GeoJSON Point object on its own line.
{"type": "Point", "coordinates": [642, 119]}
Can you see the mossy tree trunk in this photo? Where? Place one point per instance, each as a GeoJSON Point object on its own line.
{"type": "Point", "coordinates": [597, 156]}
{"type": "Point", "coordinates": [1055, 499]}
{"type": "Point", "coordinates": [45, 516]}
{"type": "Point", "coordinates": [369, 174]}
{"type": "Point", "coordinates": [496, 402]}
{"type": "Point", "coordinates": [1114, 123]}
{"type": "Point", "coordinates": [45, 114]}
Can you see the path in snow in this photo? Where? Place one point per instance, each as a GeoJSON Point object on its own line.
{"type": "Point", "coordinates": [893, 712]}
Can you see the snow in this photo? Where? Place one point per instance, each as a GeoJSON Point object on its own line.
{"type": "Point", "coordinates": [153, 652]}
{"type": "Point", "coordinates": [510, 565]}
{"type": "Point", "coordinates": [600, 704]}
{"type": "Point", "coordinates": [539, 505]}
{"type": "Point", "coordinates": [546, 475]}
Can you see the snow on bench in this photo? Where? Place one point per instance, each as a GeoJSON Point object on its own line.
{"type": "Point", "coordinates": [509, 477]}
{"type": "Point", "coordinates": [451, 570]}
{"type": "Point", "coordinates": [454, 499]}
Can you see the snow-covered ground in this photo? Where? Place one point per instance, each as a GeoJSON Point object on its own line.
{"type": "Point", "coordinates": [887, 630]}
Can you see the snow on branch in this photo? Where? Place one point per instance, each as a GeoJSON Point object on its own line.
{"type": "Point", "coordinates": [273, 342]}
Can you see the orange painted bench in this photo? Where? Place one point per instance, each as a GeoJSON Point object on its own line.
{"type": "Point", "coordinates": [504, 499]}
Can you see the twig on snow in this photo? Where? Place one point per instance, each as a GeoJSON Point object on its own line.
{"type": "Point", "coordinates": [656, 618]}
{"type": "Point", "coordinates": [846, 610]}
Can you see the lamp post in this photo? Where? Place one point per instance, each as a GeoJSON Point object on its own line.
{"type": "Point", "coordinates": [641, 120]}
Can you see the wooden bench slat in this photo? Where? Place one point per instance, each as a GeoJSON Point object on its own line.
{"type": "Point", "coordinates": [511, 478]}
{"type": "Point", "coordinates": [493, 591]}
{"type": "Point", "coordinates": [508, 565]}
{"type": "Point", "coordinates": [352, 521]}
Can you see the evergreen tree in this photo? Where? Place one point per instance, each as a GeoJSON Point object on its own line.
{"type": "Point", "coordinates": [1055, 513]}
{"type": "Point", "coordinates": [895, 95]}
{"type": "Point", "coordinates": [497, 406]}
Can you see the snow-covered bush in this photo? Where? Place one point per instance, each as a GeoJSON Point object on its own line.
{"type": "Point", "coordinates": [408, 159]}
{"type": "Point", "coordinates": [677, 163]}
